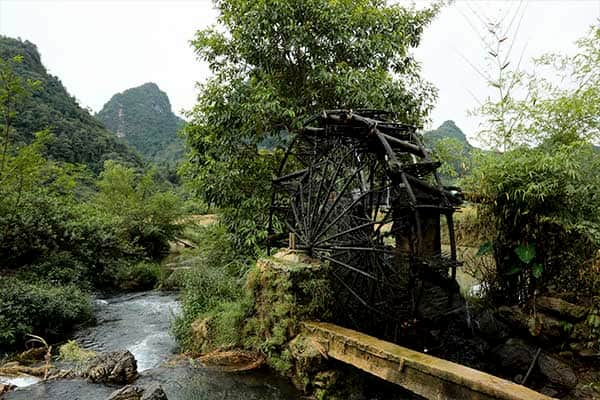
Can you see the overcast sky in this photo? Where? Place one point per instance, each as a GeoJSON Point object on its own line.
{"type": "Point", "coordinates": [99, 48]}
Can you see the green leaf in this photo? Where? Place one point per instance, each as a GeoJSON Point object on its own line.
{"type": "Point", "coordinates": [537, 270]}
{"type": "Point", "coordinates": [513, 271]}
{"type": "Point", "coordinates": [526, 252]}
{"type": "Point", "coordinates": [485, 248]}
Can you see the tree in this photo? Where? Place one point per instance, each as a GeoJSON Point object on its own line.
{"type": "Point", "coordinates": [13, 89]}
{"type": "Point", "coordinates": [276, 62]}
{"type": "Point", "coordinates": [144, 214]}
{"type": "Point", "coordinates": [541, 193]}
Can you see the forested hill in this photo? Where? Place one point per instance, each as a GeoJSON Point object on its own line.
{"type": "Point", "coordinates": [143, 117]}
{"type": "Point", "coordinates": [450, 144]}
{"type": "Point", "coordinates": [448, 130]}
{"type": "Point", "coordinates": [78, 136]}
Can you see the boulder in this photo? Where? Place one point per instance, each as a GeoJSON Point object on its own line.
{"type": "Point", "coordinates": [132, 392]}
{"type": "Point", "coordinates": [117, 367]}
{"type": "Point", "coordinates": [561, 308]}
{"type": "Point", "coordinates": [6, 387]}
{"type": "Point", "coordinates": [490, 327]}
{"type": "Point", "coordinates": [514, 317]}
{"type": "Point", "coordinates": [585, 349]}
{"type": "Point", "coordinates": [581, 332]}
{"type": "Point", "coordinates": [154, 392]}
{"type": "Point", "coordinates": [557, 371]}
{"type": "Point", "coordinates": [541, 325]}
{"type": "Point", "coordinates": [309, 355]}
{"type": "Point", "coordinates": [129, 392]}
{"type": "Point", "coordinates": [515, 355]}
{"type": "Point", "coordinates": [551, 328]}
{"type": "Point", "coordinates": [199, 333]}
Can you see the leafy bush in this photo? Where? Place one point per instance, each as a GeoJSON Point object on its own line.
{"type": "Point", "coordinates": [212, 288]}
{"type": "Point", "coordinates": [42, 309]}
{"type": "Point", "coordinates": [71, 351]}
{"type": "Point", "coordinates": [143, 213]}
{"type": "Point", "coordinates": [138, 277]}
{"type": "Point", "coordinates": [543, 204]}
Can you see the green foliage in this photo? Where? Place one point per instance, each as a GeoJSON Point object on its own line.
{"type": "Point", "coordinates": [284, 294]}
{"type": "Point", "coordinates": [451, 147]}
{"type": "Point", "coordinates": [212, 289]}
{"type": "Point", "coordinates": [541, 198]}
{"type": "Point", "coordinates": [143, 117]}
{"type": "Point", "coordinates": [560, 102]}
{"type": "Point", "coordinates": [12, 91]}
{"type": "Point", "coordinates": [138, 277]}
{"type": "Point", "coordinates": [273, 64]}
{"type": "Point", "coordinates": [143, 214]}
{"type": "Point", "coordinates": [72, 352]}
{"type": "Point", "coordinates": [45, 310]}
{"type": "Point", "coordinates": [57, 236]}
{"type": "Point", "coordinates": [79, 137]}
{"type": "Point", "coordinates": [541, 194]}
{"type": "Point", "coordinates": [525, 252]}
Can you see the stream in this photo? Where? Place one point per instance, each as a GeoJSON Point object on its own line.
{"type": "Point", "coordinates": [140, 323]}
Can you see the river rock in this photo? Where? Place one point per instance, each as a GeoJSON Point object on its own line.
{"type": "Point", "coordinates": [6, 387]}
{"type": "Point", "coordinates": [309, 355]}
{"type": "Point", "coordinates": [132, 392]}
{"type": "Point", "coordinates": [491, 327]}
{"type": "Point", "coordinates": [129, 392]}
{"type": "Point", "coordinates": [541, 325]}
{"type": "Point", "coordinates": [154, 392]}
{"type": "Point", "coordinates": [515, 355]}
{"type": "Point", "coordinates": [557, 371]}
{"type": "Point", "coordinates": [561, 308]}
{"type": "Point", "coordinates": [582, 331]}
{"type": "Point", "coordinates": [118, 367]}
{"type": "Point", "coordinates": [551, 329]}
{"type": "Point", "coordinates": [514, 317]}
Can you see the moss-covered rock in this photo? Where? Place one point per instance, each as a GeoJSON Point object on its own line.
{"type": "Point", "coordinates": [287, 289]}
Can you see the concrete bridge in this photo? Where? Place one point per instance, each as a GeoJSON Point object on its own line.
{"type": "Point", "coordinates": [425, 375]}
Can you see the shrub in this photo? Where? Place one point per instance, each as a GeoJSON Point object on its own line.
{"type": "Point", "coordinates": [543, 205]}
{"type": "Point", "coordinates": [143, 213]}
{"type": "Point", "coordinates": [45, 310]}
{"type": "Point", "coordinates": [71, 351]}
{"type": "Point", "coordinates": [138, 277]}
{"type": "Point", "coordinates": [212, 288]}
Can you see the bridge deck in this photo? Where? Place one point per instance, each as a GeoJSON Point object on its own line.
{"type": "Point", "coordinates": [425, 375]}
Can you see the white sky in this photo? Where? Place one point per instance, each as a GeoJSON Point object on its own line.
{"type": "Point", "coordinates": [99, 48]}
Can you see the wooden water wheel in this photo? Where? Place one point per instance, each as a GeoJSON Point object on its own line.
{"type": "Point", "coordinates": [360, 192]}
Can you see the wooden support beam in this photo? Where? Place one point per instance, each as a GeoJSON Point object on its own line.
{"type": "Point", "coordinates": [425, 375]}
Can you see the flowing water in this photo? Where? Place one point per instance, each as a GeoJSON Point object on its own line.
{"type": "Point", "coordinates": [140, 323]}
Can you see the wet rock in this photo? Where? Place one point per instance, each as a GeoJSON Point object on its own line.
{"type": "Point", "coordinates": [581, 332]}
{"type": "Point", "coordinates": [515, 355]}
{"type": "Point", "coordinates": [118, 367]}
{"type": "Point", "coordinates": [309, 355]}
{"type": "Point", "coordinates": [557, 371]}
{"type": "Point", "coordinates": [514, 317]}
{"type": "Point", "coordinates": [549, 391]}
{"type": "Point", "coordinates": [561, 308]}
{"type": "Point", "coordinates": [129, 392]}
{"type": "Point", "coordinates": [154, 392]}
{"type": "Point", "coordinates": [490, 327]}
{"type": "Point", "coordinates": [585, 349]}
{"type": "Point", "coordinates": [550, 329]}
{"type": "Point", "coordinates": [541, 325]}
{"type": "Point", "coordinates": [6, 387]}
{"type": "Point", "coordinates": [132, 392]}
{"type": "Point", "coordinates": [31, 356]}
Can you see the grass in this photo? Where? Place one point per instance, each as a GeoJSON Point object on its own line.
{"type": "Point", "coordinates": [72, 352]}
